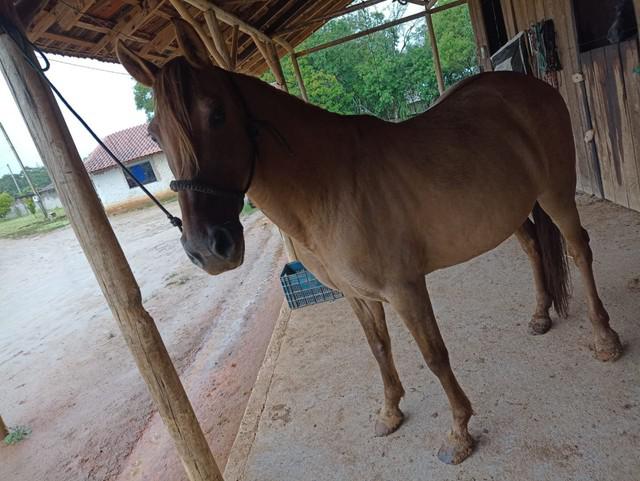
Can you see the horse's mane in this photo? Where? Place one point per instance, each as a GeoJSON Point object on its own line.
{"type": "Point", "coordinates": [171, 94]}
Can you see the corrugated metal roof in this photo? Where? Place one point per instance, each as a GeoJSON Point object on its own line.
{"type": "Point", "coordinates": [128, 145]}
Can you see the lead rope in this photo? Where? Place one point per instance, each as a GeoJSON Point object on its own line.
{"type": "Point", "coordinates": [22, 42]}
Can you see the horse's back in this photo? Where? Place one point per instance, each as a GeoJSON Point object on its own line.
{"type": "Point", "coordinates": [490, 147]}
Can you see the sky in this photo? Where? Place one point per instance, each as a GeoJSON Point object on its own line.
{"type": "Point", "coordinates": [101, 92]}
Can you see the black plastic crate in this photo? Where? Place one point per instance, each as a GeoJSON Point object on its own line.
{"type": "Point", "coordinates": [301, 288]}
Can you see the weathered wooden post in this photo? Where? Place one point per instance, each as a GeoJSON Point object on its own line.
{"type": "Point", "coordinates": [4, 432]}
{"type": "Point", "coordinates": [91, 226]}
{"type": "Point", "coordinates": [296, 67]}
{"type": "Point", "coordinates": [434, 49]}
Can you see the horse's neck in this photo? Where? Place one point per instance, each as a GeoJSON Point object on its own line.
{"type": "Point", "coordinates": [290, 177]}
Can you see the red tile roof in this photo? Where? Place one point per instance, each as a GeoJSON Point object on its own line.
{"type": "Point", "coordinates": [128, 145]}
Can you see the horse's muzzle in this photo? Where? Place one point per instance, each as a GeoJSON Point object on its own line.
{"type": "Point", "coordinates": [219, 250]}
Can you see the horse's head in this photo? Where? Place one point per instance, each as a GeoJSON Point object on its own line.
{"type": "Point", "coordinates": [207, 134]}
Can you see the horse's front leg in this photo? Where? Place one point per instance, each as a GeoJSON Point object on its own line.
{"type": "Point", "coordinates": [371, 316]}
{"type": "Point", "coordinates": [412, 302]}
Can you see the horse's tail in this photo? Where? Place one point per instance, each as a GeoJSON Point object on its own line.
{"type": "Point", "coordinates": [554, 260]}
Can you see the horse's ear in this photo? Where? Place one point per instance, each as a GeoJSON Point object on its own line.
{"type": "Point", "coordinates": [191, 44]}
{"type": "Point", "coordinates": [140, 69]}
{"type": "Point", "coordinates": [28, 9]}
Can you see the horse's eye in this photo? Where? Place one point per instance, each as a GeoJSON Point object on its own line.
{"type": "Point", "coordinates": [216, 118]}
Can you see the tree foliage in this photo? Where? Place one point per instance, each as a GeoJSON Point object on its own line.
{"type": "Point", "coordinates": [38, 176]}
{"type": "Point", "coordinates": [143, 97]}
{"type": "Point", "coordinates": [389, 74]}
{"type": "Point", "coordinates": [6, 201]}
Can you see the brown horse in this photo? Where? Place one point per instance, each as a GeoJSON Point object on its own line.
{"type": "Point", "coordinates": [373, 206]}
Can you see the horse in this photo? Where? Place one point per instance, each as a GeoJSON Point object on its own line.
{"type": "Point", "coordinates": [372, 206]}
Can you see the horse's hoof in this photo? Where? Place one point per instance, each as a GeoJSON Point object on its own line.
{"type": "Point", "coordinates": [388, 423]}
{"type": "Point", "coordinates": [608, 348]}
{"type": "Point", "coordinates": [456, 449]}
{"type": "Point", "coordinates": [539, 325]}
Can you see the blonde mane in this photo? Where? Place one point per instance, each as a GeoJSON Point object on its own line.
{"type": "Point", "coordinates": [171, 89]}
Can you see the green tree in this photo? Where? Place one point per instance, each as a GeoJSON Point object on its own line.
{"type": "Point", "coordinates": [38, 175]}
{"type": "Point", "coordinates": [143, 97]}
{"type": "Point", "coordinates": [6, 201]}
{"type": "Point", "coordinates": [31, 205]}
{"type": "Point", "coordinates": [389, 74]}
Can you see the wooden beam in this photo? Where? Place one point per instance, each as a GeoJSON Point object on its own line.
{"type": "Point", "coordinates": [161, 41]}
{"type": "Point", "coordinates": [229, 18]}
{"type": "Point", "coordinates": [233, 56]}
{"type": "Point", "coordinates": [53, 140]}
{"type": "Point", "coordinates": [127, 26]}
{"type": "Point", "coordinates": [434, 50]}
{"type": "Point", "coordinates": [216, 34]}
{"type": "Point", "coordinates": [277, 66]}
{"type": "Point", "coordinates": [480, 33]}
{"type": "Point", "coordinates": [213, 51]}
{"type": "Point", "coordinates": [72, 13]}
{"type": "Point", "coordinates": [4, 432]}
{"type": "Point", "coordinates": [296, 68]}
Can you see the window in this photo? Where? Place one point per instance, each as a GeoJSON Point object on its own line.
{"type": "Point", "coordinates": [143, 172]}
{"type": "Point", "coordinates": [603, 22]}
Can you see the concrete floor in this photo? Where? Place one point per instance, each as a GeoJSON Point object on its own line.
{"type": "Point", "coordinates": [546, 410]}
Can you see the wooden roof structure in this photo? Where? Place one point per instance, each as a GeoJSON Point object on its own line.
{"type": "Point", "coordinates": [90, 28]}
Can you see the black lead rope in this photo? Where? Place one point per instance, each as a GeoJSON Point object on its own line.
{"type": "Point", "coordinates": [23, 44]}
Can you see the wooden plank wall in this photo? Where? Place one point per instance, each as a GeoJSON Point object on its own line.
{"type": "Point", "coordinates": [613, 96]}
{"type": "Point", "coordinates": [519, 15]}
{"type": "Point", "coordinates": [609, 100]}
{"type": "Point", "coordinates": [480, 32]}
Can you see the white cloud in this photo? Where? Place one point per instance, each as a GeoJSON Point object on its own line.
{"type": "Point", "coordinates": [104, 99]}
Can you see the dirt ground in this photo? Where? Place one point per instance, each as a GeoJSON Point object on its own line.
{"type": "Point", "coordinates": [66, 373]}
{"type": "Point", "coordinates": [546, 410]}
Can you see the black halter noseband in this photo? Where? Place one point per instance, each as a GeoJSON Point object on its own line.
{"type": "Point", "coordinates": [252, 133]}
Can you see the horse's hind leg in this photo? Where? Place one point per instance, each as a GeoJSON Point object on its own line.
{"type": "Point", "coordinates": [411, 300]}
{"type": "Point", "coordinates": [371, 316]}
{"type": "Point", "coordinates": [564, 213]}
{"type": "Point", "coordinates": [540, 322]}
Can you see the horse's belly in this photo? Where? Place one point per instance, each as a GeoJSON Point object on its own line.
{"type": "Point", "coordinates": [461, 237]}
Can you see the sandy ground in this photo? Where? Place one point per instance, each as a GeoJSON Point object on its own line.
{"type": "Point", "coordinates": [66, 372]}
{"type": "Point", "coordinates": [545, 409]}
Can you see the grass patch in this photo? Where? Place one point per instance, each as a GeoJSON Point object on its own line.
{"type": "Point", "coordinates": [32, 224]}
{"type": "Point", "coordinates": [17, 434]}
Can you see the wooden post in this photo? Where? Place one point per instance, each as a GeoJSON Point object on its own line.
{"type": "Point", "coordinates": [216, 34]}
{"type": "Point", "coordinates": [213, 51]}
{"type": "Point", "coordinates": [4, 432]}
{"type": "Point", "coordinates": [434, 50]}
{"type": "Point", "coordinates": [480, 33]}
{"type": "Point", "coordinates": [26, 174]}
{"type": "Point", "coordinates": [296, 68]}
{"type": "Point", "coordinates": [91, 226]}
{"type": "Point", "coordinates": [234, 47]}
{"type": "Point", "coordinates": [277, 66]}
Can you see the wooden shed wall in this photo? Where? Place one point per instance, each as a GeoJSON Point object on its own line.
{"type": "Point", "coordinates": [608, 101]}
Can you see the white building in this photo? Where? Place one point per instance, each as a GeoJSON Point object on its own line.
{"type": "Point", "coordinates": [141, 155]}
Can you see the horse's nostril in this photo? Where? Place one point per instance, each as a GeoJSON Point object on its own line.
{"type": "Point", "coordinates": [222, 243]}
{"type": "Point", "coordinates": [196, 258]}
